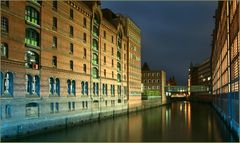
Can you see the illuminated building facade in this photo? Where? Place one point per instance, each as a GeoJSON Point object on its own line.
{"type": "Point", "coordinates": [200, 75]}
{"type": "Point", "coordinates": [154, 83]}
{"type": "Point", "coordinates": [62, 60]}
{"type": "Point", "coordinates": [225, 62]}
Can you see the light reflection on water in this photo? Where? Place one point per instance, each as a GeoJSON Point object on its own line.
{"type": "Point", "coordinates": [179, 121]}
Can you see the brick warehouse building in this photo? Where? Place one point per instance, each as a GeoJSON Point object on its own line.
{"type": "Point", "coordinates": [225, 62]}
{"type": "Point", "coordinates": [61, 60]}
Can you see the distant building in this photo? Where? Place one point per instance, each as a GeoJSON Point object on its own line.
{"type": "Point", "coordinates": [200, 75]}
{"type": "Point", "coordinates": [154, 83]}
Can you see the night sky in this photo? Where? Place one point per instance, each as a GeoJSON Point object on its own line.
{"type": "Point", "coordinates": [173, 33]}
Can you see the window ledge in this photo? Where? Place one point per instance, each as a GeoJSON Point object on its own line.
{"type": "Point", "coordinates": [33, 95]}
{"type": "Point", "coordinates": [33, 24]}
{"type": "Point", "coordinates": [4, 33]}
{"type": "Point", "coordinates": [32, 46]}
{"type": "Point", "coordinates": [35, 3]}
{"type": "Point", "coordinates": [6, 95]}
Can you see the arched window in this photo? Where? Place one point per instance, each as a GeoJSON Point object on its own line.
{"type": "Point", "coordinates": [119, 77]}
{"type": "Point", "coordinates": [95, 72]}
{"type": "Point", "coordinates": [58, 86]}
{"type": "Point", "coordinates": [32, 110]}
{"type": "Point", "coordinates": [37, 84]}
{"type": "Point", "coordinates": [31, 60]}
{"type": "Point", "coordinates": [8, 84]}
{"type": "Point", "coordinates": [94, 88]}
{"type": "Point", "coordinates": [51, 86]}
{"type": "Point", "coordinates": [68, 87]}
{"type": "Point", "coordinates": [4, 49]}
{"type": "Point", "coordinates": [86, 88]}
{"type": "Point", "coordinates": [119, 40]}
{"type": "Point", "coordinates": [118, 55]}
{"type": "Point", "coordinates": [74, 87]}
{"type": "Point", "coordinates": [118, 66]}
{"type": "Point", "coordinates": [103, 89]}
{"type": "Point", "coordinates": [82, 86]}
{"type": "Point", "coordinates": [31, 37]}
{"type": "Point", "coordinates": [29, 84]}
{"type": "Point", "coordinates": [95, 44]}
{"type": "Point", "coordinates": [95, 31]}
{"type": "Point", "coordinates": [96, 19]}
{"type": "Point", "coordinates": [95, 58]}
{"type": "Point", "coordinates": [2, 83]}
{"type": "Point", "coordinates": [106, 89]}
{"type": "Point", "coordinates": [32, 15]}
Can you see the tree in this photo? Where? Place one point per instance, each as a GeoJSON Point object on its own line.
{"type": "Point", "coordinates": [145, 67]}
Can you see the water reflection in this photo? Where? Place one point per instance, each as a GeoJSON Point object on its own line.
{"type": "Point", "coordinates": [179, 121]}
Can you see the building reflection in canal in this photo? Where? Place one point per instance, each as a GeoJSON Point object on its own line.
{"type": "Point", "coordinates": [179, 121]}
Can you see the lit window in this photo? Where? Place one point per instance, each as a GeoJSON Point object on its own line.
{"type": "Point", "coordinates": [58, 86]}
{"type": "Point", "coordinates": [51, 86]}
{"type": "Point", "coordinates": [95, 59]}
{"type": "Point", "coordinates": [8, 84]}
{"type": "Point", "coordinates": [68, 87]}
{"type": "Point", "coordinates": [118, 55]}
{"type": "Point", "coordinates": [118, 67]}
{"type": "Point", "coordinates": [31, 60]}
{"type": "Point", "coordinates": [95, 44]}
{"type": "Point", "coordinates": [73, 87]}
{"type": "Point", "coordinates": [95, 72]}
{"type": "Point", "coordinates": [86, 88]}
{"type": "Point", "coordinates": [32, 110]}
{"type": "Point", "coordinates": [29, 84]}
{"type": "Point", "coordinates": [32, 37]}
{"type": "Point", "coordinates": [4, 49]}
{"type": "Point", "coordinates": [119, 78]}
{"type": "Point", "coordinates": [32, 15]}
{"type": "Point", "coordinates": [4, 24]}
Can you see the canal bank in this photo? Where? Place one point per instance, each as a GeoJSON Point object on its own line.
{"type": "Point", "coordinates": [41, 125]}
{"type": "Point", "coordinates": [179, 121]}
{"type": "Point", "coordinates": [224, 109]}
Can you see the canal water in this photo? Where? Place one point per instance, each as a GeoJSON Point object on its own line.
{"type": "Point", "coordinates": [179, 121]}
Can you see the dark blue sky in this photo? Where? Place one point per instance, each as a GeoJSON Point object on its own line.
{"type": "Point", "coordinates": [173, 33]}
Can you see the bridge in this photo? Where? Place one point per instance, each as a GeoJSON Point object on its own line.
{"type": "Point", "coordinates": [183, 91]}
